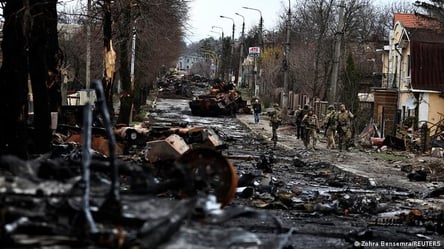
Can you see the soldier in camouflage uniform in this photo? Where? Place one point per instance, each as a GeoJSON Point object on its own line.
{"type": "Point", "coordinates": [311, 125]}
{"type": "Point", "coordinates": [299, 125]}
{"type": "Point", "coordinates": [275, 121]}
{"type": "Point", "coordinates": [343, 119]}
{"type": "Point", "coordinates": [329, 125]}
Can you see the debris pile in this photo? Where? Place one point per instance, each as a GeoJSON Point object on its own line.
{"type": "Point", "coordinates": [428, 138]}
{"type": "Point", "coordinates": [222, 100]}
{"type": "Point", "coordinates": [78, 197]}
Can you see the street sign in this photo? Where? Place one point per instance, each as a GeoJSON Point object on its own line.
{"type": "Point", "coordinates": [254, 51]}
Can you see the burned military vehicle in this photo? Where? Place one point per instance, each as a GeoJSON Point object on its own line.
{"type": "Point", "coordinates": [222, 100]}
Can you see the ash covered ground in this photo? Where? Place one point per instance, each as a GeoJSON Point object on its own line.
{"type": "Point", "coordinates": [286, 197]}
{"type": "Point", "coordinates": [327, 199]}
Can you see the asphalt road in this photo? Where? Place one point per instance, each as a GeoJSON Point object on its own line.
{"type": "Point", "coordinates": [286, 197]}
{"type": "Point", "coordinates": [323, 199]}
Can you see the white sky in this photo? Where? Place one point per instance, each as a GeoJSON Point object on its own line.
{"type": "Point", "coordinates": [206, 13]}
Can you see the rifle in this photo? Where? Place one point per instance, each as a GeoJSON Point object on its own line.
{"type": "Point", "coordinates": [339, 130]}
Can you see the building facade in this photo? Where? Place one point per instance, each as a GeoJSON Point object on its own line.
{"type": "Point", "coordinates": [186, 62]}
{"type": "Point", "coordinates": [413, 79]}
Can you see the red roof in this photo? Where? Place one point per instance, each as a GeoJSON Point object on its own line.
{"type": "Point", "coordinates": [426, 51]}
{"type": "Point", "coordinates": [415, 21]}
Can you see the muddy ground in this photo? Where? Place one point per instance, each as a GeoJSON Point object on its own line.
{"type": "Point", "coordinates": [287, 197]}
{"type": "Point", "coordinates": [318, 196]}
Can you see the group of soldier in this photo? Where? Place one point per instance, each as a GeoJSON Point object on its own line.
{"type": "Point", "coordinates": [336, 122]}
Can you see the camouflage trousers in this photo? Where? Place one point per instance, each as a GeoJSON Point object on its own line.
{"type": "Point", "coordinates": [331, 144]}
{"type": "Point", "coordinates": [345, 136]}
{"type": "Point", "coordinates": [274, 136]}
{"type": "Point", "coordinates": [310, 137]}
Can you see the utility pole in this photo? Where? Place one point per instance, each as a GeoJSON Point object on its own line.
{"type": "Point", "coordinates": [261, 44]}
{"type": "Point", "coordinates": [286, 58]}
{"type": "Point", "coordinates": [133, 62]}
{"type": "Point", "coordinates": [88, 47]}
{"type": "Point", "coordinates": [232, 53]}
{"type": "Point", "coordinates": [261, 31]}
{"type": "Point", "coordinates": [232, 48]}
{"type": "Point", "coordinates": [337, 55]}
{"type": "Point", "coordinates": [258, 65]}
{"type": "Point", "coordinates": [133, 56]}
{"type": "Point", "coordinates": [221, 59]}
{"type": "Point", "coordinates": [241, 51]}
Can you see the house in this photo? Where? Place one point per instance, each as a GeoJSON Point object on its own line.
{"type": "Point", "coordinates": [413, 75]}
{"type": "Point", "coordinates": [186, 62]}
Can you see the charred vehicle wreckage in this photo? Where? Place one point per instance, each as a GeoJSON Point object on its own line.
{"type": "Point", "coordinates": [81, 194]}
{"type": "Point", "coordinates": [170, 185]}
{"type": "Point", "coordinates": [223, 99]}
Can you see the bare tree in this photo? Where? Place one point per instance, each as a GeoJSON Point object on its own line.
{"type": "Point", "coordinates": [159, 26]}
{"type": "Point", "coordinates": [384, 14]}
{"type": "Point", "coordinates": [33, 50]}
{"type": "Point", "coordinates": [272, 73]}
{"type": "Point", "coordinates": [434, 9]}
{"type": "Point", "coordinates": [28, 50]}
{"type": "Point", "coordinates": [73, 46]}
{"type": "Point", "coordinates": [313, 25]}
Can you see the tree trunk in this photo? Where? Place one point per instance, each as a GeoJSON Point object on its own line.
{"type": "Point", "coordinates": [109, 56]}
{"type": "Point", "coordinates": [28, 50]}
{"type": "Point", "coordinates": [126, 100]}
{"type": "Point", "coordinates": [13, 81]}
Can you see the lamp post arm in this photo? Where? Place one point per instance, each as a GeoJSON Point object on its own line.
{"type": "Point", "coordinates": [261, 25]}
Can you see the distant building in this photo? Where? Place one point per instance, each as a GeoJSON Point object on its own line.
{"type": "Point", "coordinates": [67, 31]}
{"type": "Point", "coordinates": [186, 62]}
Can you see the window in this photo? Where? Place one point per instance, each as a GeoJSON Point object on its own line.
{"type": "Point", "coordinates": [408, 66]}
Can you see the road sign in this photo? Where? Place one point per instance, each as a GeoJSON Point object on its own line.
{"type": "Point", "coordinates": [254, 51]}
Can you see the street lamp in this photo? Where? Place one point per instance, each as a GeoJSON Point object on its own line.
{"type": "Point", "coordinates": [261, 24]}
{"type": "Point", "coordinates": [232, 44]}
{"type": "Point", "coordinates": [222, 35]}
{"type": "Point", "coordinates": [214, 56]}
{"type": "Point", "coordinates": [221, 29]}
{"type": "Point", "coordinates": [241, 50]}
{"type": "Point", "coordinates": [215, 32]}
{"type": "Point", "coordinates": [261, 44]}
{"type": "Point", "coordinates": [226, 17]}
{"type": "Point", "coordinates": [221, 61]}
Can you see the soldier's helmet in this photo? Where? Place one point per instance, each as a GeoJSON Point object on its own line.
{"type": "Point", "coordinates": [306, 107]}
{"type": "Point", "coordinates": [275, 105]}
{"type": "Point", "coordinates": [330, 107]}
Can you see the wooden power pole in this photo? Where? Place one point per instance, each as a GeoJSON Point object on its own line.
{"type": "Point", "coordinates": [337, 54]}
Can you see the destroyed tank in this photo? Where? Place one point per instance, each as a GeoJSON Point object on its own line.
{"type": "Point", "coordinates": [222, 100]}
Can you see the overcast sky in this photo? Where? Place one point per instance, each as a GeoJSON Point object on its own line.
{"type": "Point", "coordinates": [206, 13]}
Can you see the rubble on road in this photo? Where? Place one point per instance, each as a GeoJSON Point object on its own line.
{"type": "Point", "coordinates": [235, 191]}
{"type": "Point", "coordinates": [76, 198]}
{"type": "Point", "coordinates": [223, 99]}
